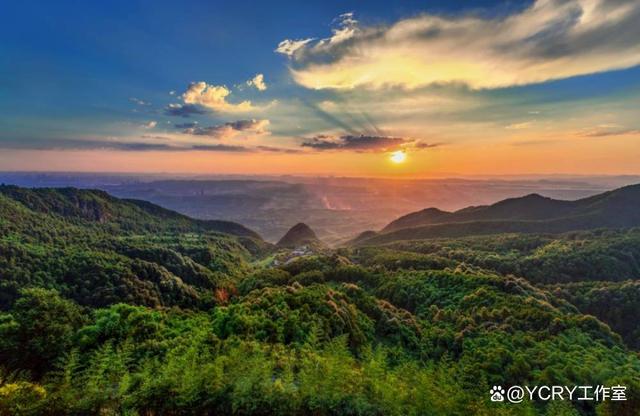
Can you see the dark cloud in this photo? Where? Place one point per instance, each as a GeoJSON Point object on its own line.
{"type": "Point", "coordinates": [187, 125]}
{"type": "Point", "coordinates": [422, 145]}
{"type": "Point", "coordinates": [213, 131]}
{"type": "Point", "coordinates": [202, 147]}
{"type": "Point", "coordinates": [221, 148]}
{"type": "Point", "coordinates": [183, 110]}
{"type": "Point", "coordinates": [321, 142]}
{"type": "Point", "coordinates": [360, 143]}
{"type": "Point", "coordinates": [229, 129]}
{"type": "Point", "coordinates": [81, 144]}
{"type": "Point", "coordinates": [270, 149]}
{"type": "Point", "coordinates": [562, 39]}
{"type": "Point", "coordinates": [232, 148]}
{"type": "Point", "coordinates": [609, 132]}
{"type": "Point", "coordinates": [133, 146]}
{"type": "Point", "coordinates": [241, 125]}
{"type": "Point", "coordinates": [67, 144]}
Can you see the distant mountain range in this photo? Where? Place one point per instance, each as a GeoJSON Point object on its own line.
{"type": "Point", "coordinates": [531, 213]}
{"type": "Point", "coordinates": [336, 208]}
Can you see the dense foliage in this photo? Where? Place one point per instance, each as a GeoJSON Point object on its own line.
{"type": "Point", "coordinates": [104, 319]}
{"type": "Point", "coordinates": [611, 255]}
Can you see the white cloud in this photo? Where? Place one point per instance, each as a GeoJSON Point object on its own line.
{"type": "Point", "coordinates": [213, 97]}
{"type": "Point", "coordinates": [139, 101]}
{"type": "Point", "coordinates": [551, 39]}
{"type": "Point", "coordinates": [150, 124]}
{"type": "Point", "coordinates": [346, 26]}
{"type": "Point", "coordinates": [289, 47]}
{"type": "Point", "coordinates": [258, 82]}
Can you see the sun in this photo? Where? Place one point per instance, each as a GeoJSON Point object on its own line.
{"type": "Point", "coordinates": [399, 156]}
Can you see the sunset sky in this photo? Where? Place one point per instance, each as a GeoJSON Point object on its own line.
{"type": "Point", "coordinates": [322, 88]}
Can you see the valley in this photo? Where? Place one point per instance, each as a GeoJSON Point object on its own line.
{"type": "Point", "coordinates": [336, 208]}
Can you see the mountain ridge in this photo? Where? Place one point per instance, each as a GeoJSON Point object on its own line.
{"type": "Point", "coordinates": [530, 213]}
{"type": "Point", "coordinates": [95, 206]}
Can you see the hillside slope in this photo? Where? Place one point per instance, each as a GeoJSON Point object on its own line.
{"type": "Point", "coordinates": [79, 206]}
{"type": "Point", "coordinates": [299, 235]}
{"type": "Point", "coordinates": [99, 250]}
{"type": "Point", "coordinates": [531, 213]}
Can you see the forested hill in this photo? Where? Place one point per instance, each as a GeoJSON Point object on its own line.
{"type": "Point", "coordinates": [299, 235]}
{"type": "Point", "coordinates": [529, 214]}
{"type": "Point", "coordinates": [84, 207]}
{"type": "Point", "coordinates": [99, 250]}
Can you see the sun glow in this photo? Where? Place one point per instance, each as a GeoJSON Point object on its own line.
{"type": "Point", "coordinates": [399, 156]}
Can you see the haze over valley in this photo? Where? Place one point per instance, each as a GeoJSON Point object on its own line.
{"type": "Point", "coordinates": [337, 208]}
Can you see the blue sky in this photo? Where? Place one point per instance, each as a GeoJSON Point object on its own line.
{"type": "Point", "coordinates": [368, 78]}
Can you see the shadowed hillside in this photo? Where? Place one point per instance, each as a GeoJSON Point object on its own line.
{"type": "Point", "coordinates": [299, 235]}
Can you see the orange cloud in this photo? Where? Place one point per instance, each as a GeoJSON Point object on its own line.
{"type": "Point", "coordinates": [213, 97]}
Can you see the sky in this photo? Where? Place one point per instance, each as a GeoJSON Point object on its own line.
{"type": "Point", "coordinates": [321, 87]}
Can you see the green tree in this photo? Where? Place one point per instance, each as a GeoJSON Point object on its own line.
{"type": "Point", "coordinates": [38, 329]}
